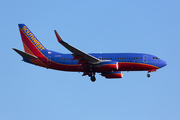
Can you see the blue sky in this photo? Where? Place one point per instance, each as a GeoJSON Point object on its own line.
{"type": "Point", "coordinates": [29, 92]}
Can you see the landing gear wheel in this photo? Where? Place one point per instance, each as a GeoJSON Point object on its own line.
{"type": "Point", "coordinates": [93, 79]}
{"type": "Point", "coordinates": [148, 75]}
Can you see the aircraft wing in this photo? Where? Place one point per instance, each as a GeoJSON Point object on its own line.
{"type": "Point", "coordinates": [79, 55]}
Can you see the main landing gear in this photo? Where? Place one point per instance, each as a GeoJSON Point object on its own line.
{"type": "Point", "coordinates": [91, 74]}
{"type": "Point", "coordinates": [93, 78]}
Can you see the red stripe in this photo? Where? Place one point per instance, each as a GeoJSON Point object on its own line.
{"type": "Point", "coordinates": [135, 66]}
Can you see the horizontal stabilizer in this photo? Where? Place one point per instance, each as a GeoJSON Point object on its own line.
{"type": "Point", "coordinates": [24, 54]}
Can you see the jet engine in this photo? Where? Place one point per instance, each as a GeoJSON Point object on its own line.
{"type": "Point", "coordinates": [116, 74]}
{"type": "Point", "coordinates": [109, 65]}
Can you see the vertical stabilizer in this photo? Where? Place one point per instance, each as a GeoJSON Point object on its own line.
{"type": "Point", "coordinates": [31, 44]}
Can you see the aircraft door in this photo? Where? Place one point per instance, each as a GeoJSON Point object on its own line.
{"type": "Point", "coordinates": [49, 60]}
{"type": "Point", "coordinates": [145, 58]}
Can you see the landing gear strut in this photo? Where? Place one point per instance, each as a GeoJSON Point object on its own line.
{"type": "Point", "coordinates": [92, 75]}
{"type": "Point", "coordinates": [151, 70]}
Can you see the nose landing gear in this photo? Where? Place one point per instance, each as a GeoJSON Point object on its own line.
{"type": "Point", "coordinates": [151, 70]}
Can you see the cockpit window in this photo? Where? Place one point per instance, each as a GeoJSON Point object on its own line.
{"type": "Point", "coordinates": [155, 58]}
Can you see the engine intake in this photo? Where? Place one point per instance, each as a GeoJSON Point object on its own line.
{"type": "Point", "coordinates": [109, 65]}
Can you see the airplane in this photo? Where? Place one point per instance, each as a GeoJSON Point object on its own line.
{"type": "Point", "coordinates": [109, 65]}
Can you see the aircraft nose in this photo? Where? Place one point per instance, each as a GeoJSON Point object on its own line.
{"type": "Point", "coordinates": [163, 63]}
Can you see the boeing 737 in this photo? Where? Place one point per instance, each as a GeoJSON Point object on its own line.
{"type": "Point", "coordinates": [109, 65]}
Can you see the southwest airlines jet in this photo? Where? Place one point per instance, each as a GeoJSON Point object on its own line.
{"type": "Point", "coordinates": [109, 65]}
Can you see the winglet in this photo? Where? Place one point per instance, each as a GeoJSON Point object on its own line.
{"type": "Point", "coordinates": [58, 37]}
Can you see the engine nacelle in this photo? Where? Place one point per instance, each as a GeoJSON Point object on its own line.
{"type": "Point", "coordinates": [116, 74]}
{"type": "Point", "coordinates": [109, 65]}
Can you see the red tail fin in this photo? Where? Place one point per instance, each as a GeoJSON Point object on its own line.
{"type": "Point", "coordinates": [31, 44]}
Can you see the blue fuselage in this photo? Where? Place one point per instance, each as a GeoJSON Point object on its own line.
{"type": "Point", "coordinates": [126, 61]}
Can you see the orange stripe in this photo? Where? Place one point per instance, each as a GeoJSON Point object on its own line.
{"type": "Point", "coordinates": [35, 61]}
